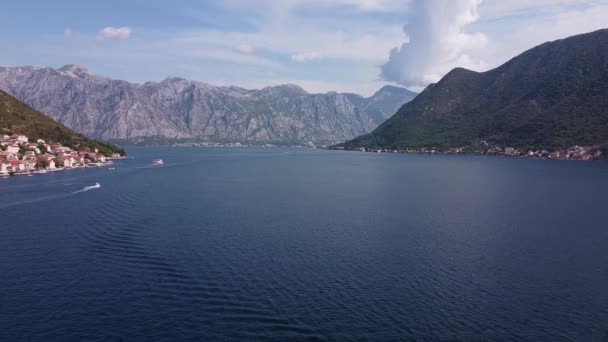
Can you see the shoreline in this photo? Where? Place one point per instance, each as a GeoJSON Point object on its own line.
{"type": "Point", "coordinates": [576, 152]}
{"type": "Point", "coordinates": [109, 162]}
{"type": "Point", "coordinates": [475, 154]}
{"type": "Point", "coordinates": [21, 155]}
{"type": "Point", "coordinates": [523, 156]}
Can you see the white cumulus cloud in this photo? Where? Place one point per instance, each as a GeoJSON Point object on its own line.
{"type": "Point", "coordinates": [437, 43]}
{"type": "Point", "coordinates": [306, 56]}
{"type": "Point", "coordinates": [118, 33]}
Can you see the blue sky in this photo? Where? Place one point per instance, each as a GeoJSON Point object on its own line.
{"type": "Point", "coordinates": [322, 45]}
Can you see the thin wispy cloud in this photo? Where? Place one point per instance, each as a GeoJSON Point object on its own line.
{"type": "Point", "coordinates": [246, 48]}
{"type": "Point", "coordinates": [117, 33]}
{"type": "Point", "coordinates": [306, 56]}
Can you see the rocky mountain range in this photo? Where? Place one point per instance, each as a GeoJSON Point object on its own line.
{"type": "Point", "coordinates": [552, 97]}
{"type": "Point", "coordinates": [177, 109]}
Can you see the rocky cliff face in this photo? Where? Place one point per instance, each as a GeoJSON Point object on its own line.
{"type": "Point", "coordinates": [182, 109]}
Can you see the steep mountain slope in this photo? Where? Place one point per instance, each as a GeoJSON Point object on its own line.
{"type": "Point", "coordinates": [386, 102]}
{"type": "Point", "coordinates": [552, 96]}
{"type": "Point", "coordinates": [18, 118]}
{"type": "Point", "coordinates": [181, 109]}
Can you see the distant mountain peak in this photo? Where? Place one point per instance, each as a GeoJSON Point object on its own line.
{"type": "Point", "coordinates": [294, 87]}
{"type": "Point", "coordinates": [289, 86]}
{"type": "Point", "coordinates": [394, 90]}
{"type": "Point", "coordinates": [290, 89]}
{"type": "Point", "coordinates": [390, 87]}
{"type": "Point", "coordinates": [183, 82]}
{"type": "Point", "coordinates": [76, 71]}
{"type": "Point", "coordinates": [174, 79]}
{"type": "Point", "coordinates": [73, 67]}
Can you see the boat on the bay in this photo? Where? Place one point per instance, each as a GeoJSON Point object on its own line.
{"type": "Point", "coordinates": [158, 162]}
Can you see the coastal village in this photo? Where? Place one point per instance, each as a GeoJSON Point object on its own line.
{"type": "Point", "coordinates": [485, 148]}
{"type": "Point", "coordinates": [21, 156]}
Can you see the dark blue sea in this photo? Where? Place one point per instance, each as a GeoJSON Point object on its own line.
{"type": "Point", "coordinates": [302, 244]}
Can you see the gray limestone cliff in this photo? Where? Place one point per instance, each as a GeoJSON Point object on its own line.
{"type": "Point", "coordinates": [176, 108]}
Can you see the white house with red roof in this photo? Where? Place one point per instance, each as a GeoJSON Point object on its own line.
{"type": "Point", "coordinates": [65, 161]}
{"type": "Point", "coordinates": [33, 147]}
{"type": "Point", "coordinates": [30, 165]}
{"type": "Point", "coordinates": [13, 148]}
{"type": "Point", "coordinates": [17, 166]}
{"type": "Point", "coordinates": [8, 155]}
{"type": "Point", "coordinates": [19, 138]}
{"type": "Point", "coordinates": [77, 160]}
{"type": "Point", "coordinates": [4, 167]}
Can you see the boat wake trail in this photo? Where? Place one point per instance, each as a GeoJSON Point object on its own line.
{"type": "Point", "coordinates": [88, 188]}
{"type": "Point", "coordinates": [49, 197]}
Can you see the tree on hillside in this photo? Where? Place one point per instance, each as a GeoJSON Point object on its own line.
{"type": "Point", "coordinates": [42, 164]}
{"type": "Point", "coordinates": [42, 149]}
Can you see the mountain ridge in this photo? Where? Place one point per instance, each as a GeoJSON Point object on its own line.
{"type": "Point", "coordinates": [180, 109]}
{"type": "Point", "coordinates": [552, 96]}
